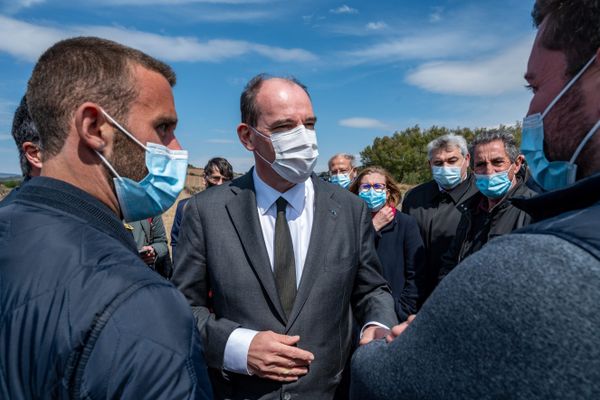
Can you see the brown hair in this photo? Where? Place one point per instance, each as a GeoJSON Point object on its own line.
{"type": "Point", "coordinates": [82, 69]}
{"type": "Point", "coordinates": [394, 194]}
{"type": "Point", "coordinates": [572, 27]}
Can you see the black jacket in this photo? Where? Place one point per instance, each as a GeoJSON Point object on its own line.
{"type": "Point", "coordinates": [81, 316]}
{"type": "Point", "coordinates": [402, 255]}
{"type": "Point", "coordinates": [478, 226]}
{"type": "Point", "coordinates": [438, 218]}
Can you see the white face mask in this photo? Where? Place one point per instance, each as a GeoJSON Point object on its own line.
{"type": "Point", "coordinates": [296, 153]}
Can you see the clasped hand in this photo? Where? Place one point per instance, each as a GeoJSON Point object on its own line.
{"type": "Point", "coordinates": [274, 356]}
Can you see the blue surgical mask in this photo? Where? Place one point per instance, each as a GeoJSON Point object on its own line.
{"type": "Point", "coordinates": [493, 186]}
{"type": "Point", "coordinates": [551, 175]}
{"type": "Point", "coordinates": [375, 200]}
{"type": "Point", "coordinates": [341, 179]}
{"type": "Point", "coordinates": [158, 191]}
{"type": "Point", "coordinates": [447, 177]}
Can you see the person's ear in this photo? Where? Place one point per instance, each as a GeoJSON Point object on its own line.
{"type": "Point", "coordinates": [93, 128]}
{"type": "Point", "coordinates": [246, 137]}
{"type": "Point", "coordinates": [519, 163]}
{"type": "Point", "coordinates": [33, 154]}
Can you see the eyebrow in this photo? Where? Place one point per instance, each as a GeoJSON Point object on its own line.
{"type": "Point", "coordinates": [288, 121]}
{"type": "Point", "coordinates": [165, 120]}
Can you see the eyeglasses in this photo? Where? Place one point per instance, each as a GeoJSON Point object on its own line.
{"type": "Point", "coordinates": [216, 178]}
{"type": "Point", "coordinates": [378, 187]}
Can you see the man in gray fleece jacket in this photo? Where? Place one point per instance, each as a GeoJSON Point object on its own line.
{"type": "Point", "coordinates": [519, 318]}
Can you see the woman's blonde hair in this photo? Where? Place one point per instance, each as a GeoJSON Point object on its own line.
{"type": "Point", "coordinates": [394, 194]}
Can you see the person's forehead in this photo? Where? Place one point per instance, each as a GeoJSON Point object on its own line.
{"type": "Point", "coordinates": [373, 177]}
{"type": "Point", "coordinates": [492, 149]}
{"type": "Point", "coordinates": [154, 92]}
{"type": "Point", "coordinates": [280, 99]}
{"type": "Point", "coordinates": [446, 152]}
{"type": "Point", "coordinates": [340, 162]}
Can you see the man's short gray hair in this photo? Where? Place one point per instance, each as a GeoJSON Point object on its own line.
{"type": "Point", "coordinates": [347, 156]}
{"type": "Point", "coordinates": [510, 144]}
{"type": "Point", "coordinates": [446, 142]}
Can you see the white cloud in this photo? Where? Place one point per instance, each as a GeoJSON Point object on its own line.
{"type": "Point", "coordinates": [12, 7]}
{"type": "Point", "coordinates": [439, 44]}
{"type": "Point", "coordinates": [363, 123]}
{"type": "Point", "coordinates": [227, 16]}
{"type": "Point", "coordinates": [27, 41]}
{"type": "Point", "coordinates": [436, 14]}
{"type": "Point", "coordinates": [492, 76]}
{"type": "Point", "coordinates": [344, 9]}
{"type": "Point", "coordinates": [376, 26]}
{"type": "Point", "coordinates": [29, 3]}
{"type": "Point", "coordinates": [220, 141]}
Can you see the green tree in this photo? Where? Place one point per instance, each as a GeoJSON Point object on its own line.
{"type": "Point", "coordinates": [404, 154]}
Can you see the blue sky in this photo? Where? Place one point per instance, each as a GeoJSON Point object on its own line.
{"type": "Point", "coordinates": [372, 67]}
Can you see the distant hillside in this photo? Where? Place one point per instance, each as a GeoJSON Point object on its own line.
{"type": "Point", "coordinates": [9, 177]}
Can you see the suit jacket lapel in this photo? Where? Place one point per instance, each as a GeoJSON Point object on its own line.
{"type": "Point", "coordinates": [244, 216]}
{"type": "Point", "coordinates": [323, 227]}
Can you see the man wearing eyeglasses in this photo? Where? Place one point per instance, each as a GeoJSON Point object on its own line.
{"type": "Point", "coordinates": [217, 171]}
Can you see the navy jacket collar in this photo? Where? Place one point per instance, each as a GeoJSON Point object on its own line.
{"type": "Point", "coordinates": [69, 199]}
{"type": "Point", "coordinates": [581, 194]}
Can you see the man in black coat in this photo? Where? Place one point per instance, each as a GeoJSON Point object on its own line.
{"type": "Point", "coordinates": [82, 317]}
{"type": "Point", "coordinates": [434, 204]}
{"type": "Point", "coordinates": [500, 176]}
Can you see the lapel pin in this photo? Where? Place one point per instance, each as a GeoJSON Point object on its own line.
{"type": "Point", "coordinates": [333, 212]}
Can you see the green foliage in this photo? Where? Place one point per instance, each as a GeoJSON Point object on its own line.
{"type": "Point", "coordinates": [11, 184]}
{"type": "Point", "coordinates": [404, 154]}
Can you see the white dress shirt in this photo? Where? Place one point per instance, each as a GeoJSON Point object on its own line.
{"type": "Point", "coordinates": [299, 213]}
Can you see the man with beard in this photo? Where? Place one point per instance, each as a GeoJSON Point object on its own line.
{"type": "Point", "coordinates": [519, 319]}
{"type": "Point", "coordinates": [82, 317]}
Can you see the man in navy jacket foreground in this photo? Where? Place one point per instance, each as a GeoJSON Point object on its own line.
{"type": "Point", "coordinates": [80, 314]}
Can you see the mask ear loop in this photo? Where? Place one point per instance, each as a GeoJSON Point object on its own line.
{"type": "Point", "coordinates": [110, 167]}
{"type": "Point", "coordinates": [584, 142]}
{"type": "Point", "coordinates": [569, 85]}
{"type": "Point", "coordinates": [265, 137]}
{"type": "Point", "coordinates": [115, 123]}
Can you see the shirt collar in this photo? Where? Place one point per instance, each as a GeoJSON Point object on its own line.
{"type": "Point", "coordinates": [266, 195]}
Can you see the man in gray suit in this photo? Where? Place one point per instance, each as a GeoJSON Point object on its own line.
{"type": "Point", "coordinates": [276, 263]}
